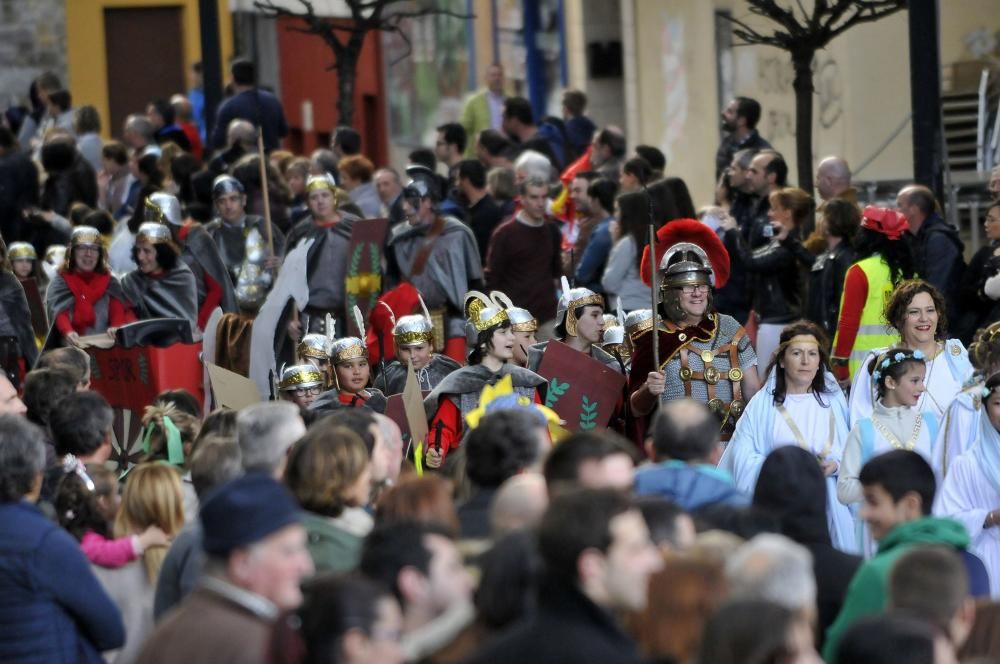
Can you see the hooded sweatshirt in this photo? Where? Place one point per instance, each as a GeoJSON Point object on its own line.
{"type": "Point", "coordinates": [868, 593]}
{"type": "Point", "coordinates": [689, 485]}
{"type": "Point", "coordinates": [792, 487]}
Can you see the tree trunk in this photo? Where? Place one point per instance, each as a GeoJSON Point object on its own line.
{"type": "Point", "coordinates": [347, 73]}
{"type": "Point", "coordinates": [803, 85]}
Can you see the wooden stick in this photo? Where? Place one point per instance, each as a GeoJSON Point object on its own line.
{"type": "Point", "coordinates": [264, 190]}
{"type": "Point", "coordinates": [655, 298]}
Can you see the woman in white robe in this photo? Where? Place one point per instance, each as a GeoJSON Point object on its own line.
{"type": "Point", "coordinates": [800, 405]}
{"type": "Point", "coordinates": [916, 310]}
{"type": "Point", "coordinates": [960, 426]}
{"type": "Point", "coordinates": [971, 491]}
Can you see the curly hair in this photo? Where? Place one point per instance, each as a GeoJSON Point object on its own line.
{"type": "Point", "coordinates": [984, 351]}
{"type": "Point", "coordinates": [76, 507]}
{"type": "Point", "coordinates": [323, 466]}
{"type": "Point", "coordinates": [902, 296]}
{"type": "Point", "coordinates": [800, 328]}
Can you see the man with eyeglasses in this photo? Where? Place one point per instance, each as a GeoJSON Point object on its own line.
{"type": "Point", "coordinates": [703, 354]}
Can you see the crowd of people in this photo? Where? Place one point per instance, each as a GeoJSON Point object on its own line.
{"type": "Point", "coordinates": [802, 464]}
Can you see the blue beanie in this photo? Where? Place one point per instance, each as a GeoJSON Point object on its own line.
{"type": "Point", "coordinates": [244, 511]}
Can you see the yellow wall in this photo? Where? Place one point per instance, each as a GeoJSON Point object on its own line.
{"type": "Point", "coordinates": [85, 49]}
{"type": "Point", "coordinates": [863, 87]}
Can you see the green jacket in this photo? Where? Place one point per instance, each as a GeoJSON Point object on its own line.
{"type": "Point", "coordinates": [333, 549]}
{"type": "Point", "coordinates": [868, 592]}
{"type": "Point", "coordinates": [475, 118]}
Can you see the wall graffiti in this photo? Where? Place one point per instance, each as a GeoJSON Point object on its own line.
{"type": "Point", "coordinates": [774, 85]}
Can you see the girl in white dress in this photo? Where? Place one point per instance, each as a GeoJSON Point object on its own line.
{"type": "Point", "coordinates": [916, 310]}
{"type": "Point", "coordinates": [960, 426]}
{"type": "Point", "coordinates": [971, 491]}
{"type": "Point", "coordinates": [895, 423]}
{"type": "Point", "coordinates": [801, 405]}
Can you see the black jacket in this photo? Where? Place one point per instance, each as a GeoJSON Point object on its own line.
{"type": "Point", "coordinates": [791, 486]}
{"type": "Point", "coordinates": [567, 629]}
{"type": "Point", "coordinates": [826, 284]}
{"type": "Point", "coordinates": [937, 255]}
{"type": "Point", "coordinates": [774, 276]}
{"type": "Point", "coordinates": [977, 309]}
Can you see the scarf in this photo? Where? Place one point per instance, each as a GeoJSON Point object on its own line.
{"type": "Point", "coordinates": [87, 289]}
{"type": "Point", "coordinates": [987, 449]}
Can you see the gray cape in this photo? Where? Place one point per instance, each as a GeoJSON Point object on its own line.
{"type": "Point", "coordinates": [173, 295]}
{"type": "Point", "coordinates": [473, 378]}
{"type": "Point", "coordinates": [15, 308]}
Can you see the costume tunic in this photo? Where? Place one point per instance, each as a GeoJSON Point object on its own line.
{"type": "Point", "coordinates": [393, 379]}
{"type": "Point", "coordinates": [971, 491]}
{"type": "Point", "coordinates": [442, 262]}
{"type": "Point", "coordinates": [171, 294]}
{"type": "Point", "coordinates": [946, 373]}
{"type": "Point", "coordinates": [458, 395]}
{"type": "Point", "coordinates": [823, 428]}
{"type": "Point", "coordinates": [86, 303]}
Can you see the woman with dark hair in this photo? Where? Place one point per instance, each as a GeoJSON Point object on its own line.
{"type": "Point", "coordinates": [83, 298]}
{"type": "Point", "coordinates": [916, 311]}
{"type": "Point", "coordinates": [884, 260]}
{"type": "Point", "coordinates": [17, 338]}
{"type": "Point", "coordinates": [682, 198]}
{"type": "Point", "coordinates": [628, 232]}
{"type": "Point", "coordinates": [87, 127]}
{"type": "Point", "coordinates": [489, 361]}
{"type": "Point", "coordinates": [838, 224]}
{"type": "Point", "coordinates": [342, 620]}
{"type": "Point", "coordinates": [801, 405]}
{"type": "Point", "coordinates": [162, 286]}
{"type": "Point", "coordinates": [636, 174]}
{"type": "Point", "coordinates": [329, 475]}
{"type": "Point", "coordinates": [776, 286]}
{"type": "Point", "coordinates": [979, 304]}
{"type": "Point", "coordinates": [757, 632]}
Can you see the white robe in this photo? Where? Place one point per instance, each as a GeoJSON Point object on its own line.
{"type": "Point", "coordinates": [960, 427]}
{"type": "Point", "coordinates": [899, 420]}
{"type": "Point", "coordinates": [946, 374]}
{"type": "Point", "coordinates": [761, 430]}
{"type": "Point", "coordinates": [967, 496]}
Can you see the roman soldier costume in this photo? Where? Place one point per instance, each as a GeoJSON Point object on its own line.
{"type": "Point", "coordinates": [706, 361]}
{"type": "Point", "coordinates": [314, 349]}
{"type": "Point", "coordinates": [458, 394]}
{"type": "Point", "coordinates": [345, 350]}
{"type": "Point", "coordinates": [415, 330]}
{"type": "Point", "coordinates": [300, 384]}
{"type": "Point", "coordinates": [199, 252]}
{"type": "Point", "coordinates": [571, 300]}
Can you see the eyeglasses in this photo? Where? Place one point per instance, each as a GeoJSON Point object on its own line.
{"type": "Point", "coordinates": [83, 249]}
{"type": "Point", "coordinates": [310, 391]}
{"type": "Point", "coordinates": [691, 289]}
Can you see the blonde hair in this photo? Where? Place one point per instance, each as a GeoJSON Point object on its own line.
{"type": "Point", "coordinates": [152, 423]}
{"type": "Point", "coordinates": [152, 497]}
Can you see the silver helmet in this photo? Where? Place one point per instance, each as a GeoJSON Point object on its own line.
{"type": "Point", "coordinates": [226, 184]}
{"type": "Point", "coordinates": [521, 320]}
{"type": "Point", "coordinates": [300, 375]}
{"type": "Point", "coordinates": [638, 322]}
{"type": "Point", "coordinates": [570, 300]}
{"type": "Point", "coordinates": [347, 348]}
{"type": "Point", "coordinates": [413, 330]}
{"type": "Point", "coordinates": [163, 208]}
{"type": "Point", "coordinates": [314, 347]}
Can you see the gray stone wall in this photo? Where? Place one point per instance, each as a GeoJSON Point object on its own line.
{"type": "Point", "coordinates": [32, 40]}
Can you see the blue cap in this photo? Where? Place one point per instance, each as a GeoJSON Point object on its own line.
{"type": "Point", "coordinates": [244, 511]}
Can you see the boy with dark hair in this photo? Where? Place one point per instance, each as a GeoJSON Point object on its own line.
{"type": "Point", "coordinates": [899, 490]}
{"type": "Point", "coordinates": [685, 446]}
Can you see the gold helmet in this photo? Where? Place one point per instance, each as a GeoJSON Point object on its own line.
{"type": "Point", "coordinates": [347, 348]}
{"type": "Point", "coordinates": [314, 346]}
{"type": "Point", "coordinates": [300, 376]}
{"type": "Point", "coordinates": [21, 251]}
{"type": "Point", "coordinates": [413, 330]}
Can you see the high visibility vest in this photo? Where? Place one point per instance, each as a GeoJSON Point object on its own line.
{"type": "Point", "coordinates": [873, 332]}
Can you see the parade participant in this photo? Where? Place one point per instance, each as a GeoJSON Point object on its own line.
{"type": "Point", "coordinates": [24, 261]}
{"type": "Point", "coordinates": [703, 354]}
{"type": "Point", "coordinates": [971, 491]}
{"type": "Point", "coordinates": [960, 426]}
{"type": "Point", "coordinates": [84, 298]}
{"type": "Point", "coordinates": [414, 339]}
{"type": "Point", "coordinates": [301, 384]}
{"type": "Point", "coordinates": [895, 423]}
{"type": "Point", "coordinates": [162, 286]}
{"type": "Point", "coordinates": [241, 239]}
{"type": "Point", "coordinates": [638, 323]}
{"type": "Point", "coordinates": [916, 311]}
{"type": "Point", "coordinates": [30, 274]}
{"type": "Point", "coordinates": [579, 325]}
{"type": "Point", "coordinates": [17, 337]}
{"type": "Point", "coordinates": [326, 262]}
{"type": "Point", "coordinates": [884, 261]}
{"type": "Point", "coordinates": [439, 257]}
{"type": "Point", "coordinates": [314, 349]}
{"type": "Point", "coordinates": [524, 326]}
{"type": "Point", "coordinates": [813, 410]}
{"type": "Point", "coordinates": [352, 374]}
{"type": "Point", "coordinates": [489, 361]}
{"type": "Point", "coordinates": [199, 252]}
